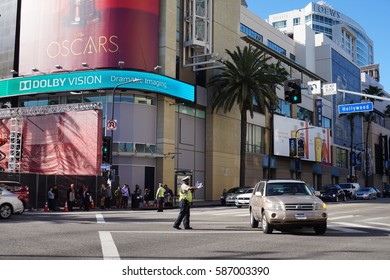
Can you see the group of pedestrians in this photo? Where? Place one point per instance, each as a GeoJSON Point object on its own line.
{"type": "Point", "coordinates": [122, 195]}
{"type": "Point", "coordinates": [80, 197]}
{"type": "Point", "coordinates": [105, 196]}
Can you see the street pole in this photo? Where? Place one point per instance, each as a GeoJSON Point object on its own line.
{"type": "Point", "coordinates": [113, 108]}
{"type": "Point", "coordinates": [298, 159]}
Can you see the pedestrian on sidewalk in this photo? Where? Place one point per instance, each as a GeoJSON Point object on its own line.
{"type": "Point", "coordinates": [71, 197]}
{"type": "Point", "coordinates": [160, 197]}
{"type": "Point", "coordinates": [86, 198]}
{"type": "Point", "coordinates": [118, 197]}
{"type": "Point", "coordinates": [125, 196]}
{"type": "Point", "coordinates": [108, 196]}
{"type": "Point", "coordinates": [102, 195]}
{"type": "Point", "coordinates": [50, 199]}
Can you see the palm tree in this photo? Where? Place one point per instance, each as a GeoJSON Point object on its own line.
{"type": "Point", "coordinates": [247, 77]}
{"type": "Point", "coordinates": [374, 91]}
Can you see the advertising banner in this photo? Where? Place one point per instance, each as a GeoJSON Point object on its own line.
{"type": "Point", "coordinates": [98, 32]}
{"type": "Point", "coordinates": [313, 143]}
{"type": "Point", "coordinates": [63, 143]}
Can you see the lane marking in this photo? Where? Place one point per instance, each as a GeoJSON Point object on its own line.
{"type": "Point", "coordinates": [109, 250]}
{"type": "Point", "coordinates": [100, 218]}
{"type": "Point", "coordinates": [361, 226]}
{"type": "Point", "coordinates": [346, 230]}
{"type": "Point", "coordinates": [342, 217]}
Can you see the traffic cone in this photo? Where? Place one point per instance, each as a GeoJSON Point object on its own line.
{"type": "Point", "coordinates": [66, 207]}
{"type": "Point", "coordinates": [92, 204]}
{"type": "Point", "coordinates": [46, 209]}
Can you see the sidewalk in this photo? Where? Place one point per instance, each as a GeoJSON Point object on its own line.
{"type": "Point", "coordinates": [195, 204]}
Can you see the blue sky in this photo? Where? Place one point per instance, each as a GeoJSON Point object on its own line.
{"type": "Point", "coordinates": [372, 15]}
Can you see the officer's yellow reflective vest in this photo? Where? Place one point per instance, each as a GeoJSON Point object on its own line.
{"type": "Point", "coordinates": [187, 196]}
{"type": "Point", "coordinates": [161, 192]}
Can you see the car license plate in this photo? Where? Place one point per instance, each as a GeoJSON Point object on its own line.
{"type": "Point", "coordinates": [300, 216]}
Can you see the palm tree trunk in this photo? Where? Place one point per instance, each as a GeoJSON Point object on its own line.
{"type": "Point", "coordinates": [367, 158]}
{"type": "Point", "coordinates": [243, 147]}
{"type": "Point", "coordinates": [350, 155]}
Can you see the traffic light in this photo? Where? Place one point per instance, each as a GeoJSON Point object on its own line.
{"type": "Point", "coordinates": [106, 149]}
{"type": "Point", "coordinates": [292, 91]}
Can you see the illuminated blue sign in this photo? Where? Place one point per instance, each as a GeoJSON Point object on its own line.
{"type": "Point", "coordinates": [355, 108]}
{"type": "Point", "coordinates": [99, 79]}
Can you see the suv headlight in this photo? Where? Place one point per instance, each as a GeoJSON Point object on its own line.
{"type": "Point", "coordinates": [319, 206]}
{"type": "Point", "coordinates": [275, 207]}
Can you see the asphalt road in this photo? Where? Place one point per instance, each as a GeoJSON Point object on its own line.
{"type": "Point", "coordinates": [357, 230]}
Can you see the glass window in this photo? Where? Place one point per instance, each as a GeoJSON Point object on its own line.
{"type": "Point", "coordinates": [255, 139]}
{"type": "Point", "coordinates": [341, 158]}
{"type": "Point", "coordinates": [326, 122]}
{"type": "Point", "coordinates": [304, 115]}
{"type": "Point", "coordinates": [279, 24]}
{"type": "Point", "coordinates": [296, 21]}
{"type": "Point", "coordinates": [284, 108]}
{"type": "Point", "coordinates": [276, 48]}
{"type": "Point", "coordinates": [251, 33]}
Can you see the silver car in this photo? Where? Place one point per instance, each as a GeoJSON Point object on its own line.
{"type": "Point", "coordinates": [286, 204]}
{"type": "Point", "coordinates": [9, 204]}
{"type": "Point", "coordinates": [231, 197]}
{"type": "Point", "coordinates": [366, 193]}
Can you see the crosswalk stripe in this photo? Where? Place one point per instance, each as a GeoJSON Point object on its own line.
{"type": "Point", "coordinates": [100, 218]}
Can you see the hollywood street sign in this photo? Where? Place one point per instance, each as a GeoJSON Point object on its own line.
{"type": "Point", "coordinates": [355, 108]}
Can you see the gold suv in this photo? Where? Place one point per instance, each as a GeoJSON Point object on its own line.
{"type": "Point", "coordinates": [286, 204]}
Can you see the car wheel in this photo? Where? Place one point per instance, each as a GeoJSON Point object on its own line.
{"type": "Point", "coordinates": [5, 211]}
{"type": "Point", "coordinates": [238, 206]}
{"type": "Point", "coordinates": [320, 229]}
{"type": "Point", "coordinates": [254, 222]}
{"type": "Point", "coordinates": [344, 198]}
{"type": "Point", "coordinates": [266, 227]}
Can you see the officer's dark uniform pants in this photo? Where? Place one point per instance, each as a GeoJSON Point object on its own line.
{"type": "Point", "coordinates": [184, 214]}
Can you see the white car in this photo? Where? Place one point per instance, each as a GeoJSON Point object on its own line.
{"type": "Point", "coordinates": [243, 199]}
{"type": "Point", "coordinates": [9, 204]}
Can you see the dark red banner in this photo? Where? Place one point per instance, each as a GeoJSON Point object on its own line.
{"type": "Point", "coordinates": [64, 143]}
{"type": "Point", "coordinates": [98, 32]}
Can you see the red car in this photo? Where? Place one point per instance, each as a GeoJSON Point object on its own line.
{"type": "Point", "coordinates": [18, 189]}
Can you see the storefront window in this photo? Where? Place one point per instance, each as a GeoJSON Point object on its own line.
{"type": "Point", "coordinates": [255, 139]}
{"type": "Point", "coordinates": [341, 158]}
{"type": "Point", "coordinates": [304, 115]}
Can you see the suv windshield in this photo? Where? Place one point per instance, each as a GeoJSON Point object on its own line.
{"type": "Point", "coordinates": [288, 189]}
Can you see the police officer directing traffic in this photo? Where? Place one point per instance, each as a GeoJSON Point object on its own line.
{"type": "Point", "coordinates": [185, 200]}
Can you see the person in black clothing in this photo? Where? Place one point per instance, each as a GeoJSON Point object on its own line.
{"type": "Point", "coordinates": [71, 197]}
{"type": "Point", "coordinates": [56, 195]}
{"type": "Point", "coordinates": [136, 197]}
{"type": "Point", "coordinates": [86, 198]}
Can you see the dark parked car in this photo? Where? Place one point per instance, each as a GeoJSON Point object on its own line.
{"type": "Point", "coordinates": [332, 193]}
{"type": "Point", "coordinates": [386, 191]}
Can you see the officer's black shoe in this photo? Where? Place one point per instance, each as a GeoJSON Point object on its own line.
{"type": "Point", "coordinates": [176, 227]}
{"type": "Point", "coordinates": [188, 228]}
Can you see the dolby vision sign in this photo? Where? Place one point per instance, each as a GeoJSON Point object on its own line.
{"type": "Point", "coordinates": [95, 80]}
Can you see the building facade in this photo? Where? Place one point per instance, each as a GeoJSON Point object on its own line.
{"type": "Point", "coordinates": [144, 67]}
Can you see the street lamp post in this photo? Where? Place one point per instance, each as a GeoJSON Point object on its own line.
{"type": "Point", "coordinates": [113, 107]}
{"type": "Point", "coordinates": [351, 160]}
{"type": "Point", "coordinates": [298, 159]}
